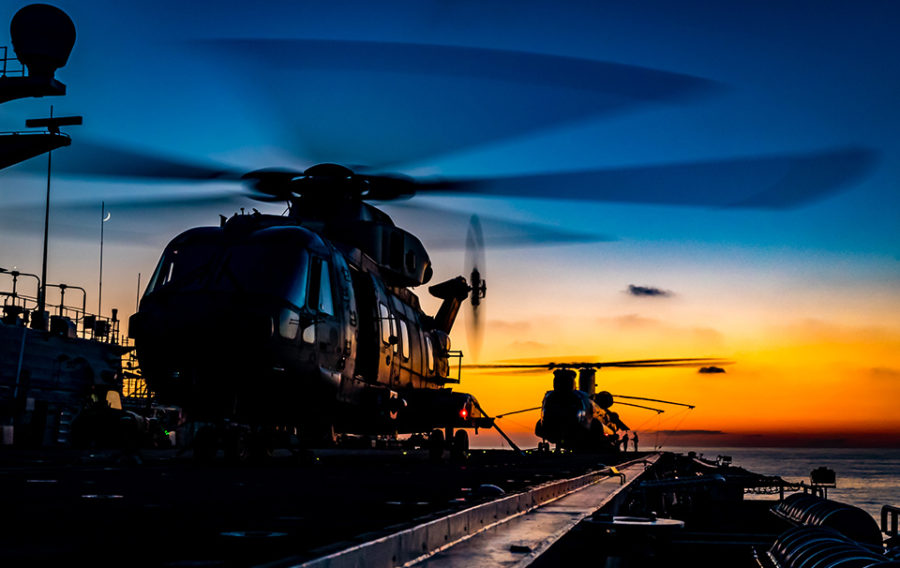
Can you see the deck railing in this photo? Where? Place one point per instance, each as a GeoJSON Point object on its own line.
{"type": "Point", "coordinates": [17, 308]}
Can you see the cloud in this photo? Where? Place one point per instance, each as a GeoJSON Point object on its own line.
{"type": "Point", "coordinates": [710, 370]}
{"type": "Point", "coordinates": [648, 291]}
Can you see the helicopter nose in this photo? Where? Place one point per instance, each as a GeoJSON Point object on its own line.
{"type": "Point", "coordinates": [200, 327]}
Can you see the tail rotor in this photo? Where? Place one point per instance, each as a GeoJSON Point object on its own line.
{"type": "Point", "coordinates": [475, 268]}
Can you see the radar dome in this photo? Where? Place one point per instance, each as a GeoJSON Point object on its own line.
{"type": "Point", "coordinates": [43, 37]}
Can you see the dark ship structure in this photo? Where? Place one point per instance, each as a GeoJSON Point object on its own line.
{"type": "Point", "coordinates": [60, 367]}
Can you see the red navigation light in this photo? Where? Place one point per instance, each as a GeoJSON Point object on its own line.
{"type": "Point", "coordinates": [464, 413]}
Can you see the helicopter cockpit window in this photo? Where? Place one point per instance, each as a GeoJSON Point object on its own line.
{"type": "Point", "coordinates": [387, 323]}
{"type": "Point", "coordinates": [404, 340]}
{"type": "Point", "coordinates": [320, 297]}
{"type": "Point", "coordinates": [187, 266]}
{"type": "Point", "coordinates": [262, 269]}
{"type": "Point", "coordinates": [429, 354]}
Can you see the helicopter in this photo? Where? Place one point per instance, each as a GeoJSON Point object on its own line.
{"type": "Point", "coordinates": [306, 322]}
{"type": "Point", "coordinates": [580, 418]}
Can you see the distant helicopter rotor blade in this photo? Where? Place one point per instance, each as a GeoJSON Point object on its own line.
{"type": "Point", "coordinates": [682, 362]}
{"type": "Point", "coordinates": [779, 181]}
{"type": "Point", "coordinates": [518, 411]}
{"type": "Point", "coordinates": [387, 100]}
{"type": "Point", "coordinates": [656, 410]}
{"type": "Point", "coordinates": [475, 271]}
{"type": "Point", "coordinates": [652, 400]}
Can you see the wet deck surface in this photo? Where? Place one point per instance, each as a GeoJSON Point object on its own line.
{"type": "Point", "coordinates": [101, 509]}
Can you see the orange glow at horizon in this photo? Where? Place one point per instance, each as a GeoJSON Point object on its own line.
{"type": "Point", "coordinates": [792, 380]}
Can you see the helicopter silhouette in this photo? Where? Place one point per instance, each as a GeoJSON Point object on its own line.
{"type": "Point", "coordinates": [580, 418]}
{"type": "Point", "coordinates": [307, 321]}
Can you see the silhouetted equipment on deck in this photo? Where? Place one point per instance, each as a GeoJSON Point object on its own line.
{"type": "Point", "coordinates": [811, 510]}
{"type": "Point", "coordinates": [823, 477]}
{"type": "Point", "coordinates": [49, 376]}
{"type": "Point", "coordinates": [820, 547]}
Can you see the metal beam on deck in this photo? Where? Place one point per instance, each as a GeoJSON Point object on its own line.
{"type": "Point", "coordinates": [510, 531]}
{"type": "Point", "coordinates": [523, 538]}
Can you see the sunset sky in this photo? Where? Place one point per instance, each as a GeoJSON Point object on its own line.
{"type": "Point", "coordinates": [805, 301]}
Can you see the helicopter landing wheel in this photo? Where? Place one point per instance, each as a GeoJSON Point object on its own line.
{"type": "Point", "coordinates": [237, 446]}
{"type": "Point", "coordinates": [262, 445]}
{"type": "Point", "coordinates": [459, 446]}
{"type": "Point", "coordinates": [436, 445]}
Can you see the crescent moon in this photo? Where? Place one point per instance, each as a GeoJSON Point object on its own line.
{"type": "Point", "coordinates": [108, 215]}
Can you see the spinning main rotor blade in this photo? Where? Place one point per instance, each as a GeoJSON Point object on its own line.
{"type": "Point", "coordinates": [431, 224]}
{"type": "Point", "coordinates": [440, 228]}
{"type": "Point", "coordinates": [772, 182]}
{"type": "Point", "coordinates": [94, 158]}
{"type": "Point", "coordinates": [396, 103]}
{"type": "Point", "coordinates": [631, 82]}
{"type": "Point", "coordinates": [685, 362]}
{"type": "Point", "coordinates": [762, 182]}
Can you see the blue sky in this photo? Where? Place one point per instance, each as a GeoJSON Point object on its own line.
{"type": "Point", "coordinates": [789, 77]}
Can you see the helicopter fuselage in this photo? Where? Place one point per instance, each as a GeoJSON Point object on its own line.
{"type": "Point", "coordinates": [571, 419]}
{"type": "Point", "coordinates": [574, 419]}
{"type": "Point", "coordinates": [265, 321]}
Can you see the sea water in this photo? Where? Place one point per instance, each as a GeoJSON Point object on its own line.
{"type": "Point", "coordinates": [867, 478]}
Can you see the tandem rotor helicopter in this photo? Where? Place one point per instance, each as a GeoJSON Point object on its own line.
{"type": "Point", "coordinates": [579, 417]}
{"type": "Point", "coordinates": [269, 325]}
